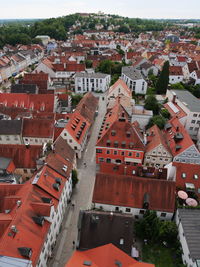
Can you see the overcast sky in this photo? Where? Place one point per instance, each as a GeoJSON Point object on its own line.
{"type": "Point", "coordinates": [130, 8]}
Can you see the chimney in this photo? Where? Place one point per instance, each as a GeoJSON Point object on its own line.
{"type": "Point", "coordinates": [174, 98]}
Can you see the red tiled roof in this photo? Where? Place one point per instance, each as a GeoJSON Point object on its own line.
{"type": "Point", "coordinates": [180, 114]}
{"type": "Point", "coordinates": [41, 128]}
{"type": "Point", "coordinates": [29, 234]}
{"type": "Point", "coordinates": [156, 138]}
{"type": "Point", "coordinates": [127, 191]}
{"type": "Point", "coordinates": [118, 133]}
{"type": "Point", "coordinates": [104, 256]}
{"type": "Point", "coordinates": [175, 70]}
{"type": "Point", "coordinates": [22, 156]}
{"type": "Point", "coordinates": [177, 127]}
{"type": "Point", "coordinates": [42, 102]}
{"type": "Point", "coordinates": [189, 170]}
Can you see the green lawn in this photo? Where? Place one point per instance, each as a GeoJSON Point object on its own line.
{"type": "Point", "coordinates": [158, 255]}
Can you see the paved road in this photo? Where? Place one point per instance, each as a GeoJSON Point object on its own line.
{"type": "Point", "coordinates": [82, 196]}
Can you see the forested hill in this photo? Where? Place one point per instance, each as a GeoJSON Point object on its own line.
{"type": "Point", "coordinates": [58, 28]}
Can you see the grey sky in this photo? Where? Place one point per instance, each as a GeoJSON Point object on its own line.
{"type": "Point", "coordinates": [129, 8]}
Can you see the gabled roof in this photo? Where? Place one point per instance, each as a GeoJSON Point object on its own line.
{"type": "Point", "coordinates": [118, 84]}
{"type": "Point", "coordinates": [87, 107]}
{"type": "Point", "coordinates": [175, 127]}
{"type": "Point", "coordinates": [104, 256]}
{"type": "Point", "coordinates": [124, 133]}
{"type": "Point", "coordinates": [127, 191]}
{"type": "Point", "coordinates": [156, 138]}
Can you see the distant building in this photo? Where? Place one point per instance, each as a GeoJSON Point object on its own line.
{"type": "Point", "coordinates": [44, 38]}
{"type": "Point", "coordinates": [134, 79]}
{"type": "Point", "coordinates": [91, 82]}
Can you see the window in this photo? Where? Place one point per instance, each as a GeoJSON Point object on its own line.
{"type": "Point", "coordinates": [101, 159]}
{"type": "Point", "coordinates": [191, 128]}
{"type": "Point", "coordinates": [194, 115]}
{"type": "Point", "coordinates": [193, 121]}
{"type": "Point", "coordinates": [108, 152]}
{"type": "Point", "coordinates": [137, 155]}
{"type": "Point", "coordinates": [115, 152]}
{"type": "Point", "coordinates": [196, 176]}
{"type": "Point", "coordinates": [130, 154]}
{"type": "Point", "coordinates": [122, 153]}
{"type": "Point", "coordinates": [25, 171]}
{"type": "Point", "coordinates": [118, 161]}
{"type": "Point", "coordinates": [141, 211]}
{"type": "Point", "coordinates": [136, 217]}
{"type": "Point", "coordinates": [128, 210]}
{"type": "Point", "coordinates": [108, 160]}
{"type": "Point", "coordinates": [163, 214]}
{"type": "Point", "coordinates": [75, 148]}
{"type": "Point", "coordinates": [99, 151]}
{"type": "Point", "coordinates": [116, 208]}
{"type": "Point", "coordinates": [161, 158]}
{"type": "Point", "coordinates": [70, 140]}
{"type": "Point", "coordinates": [196, 128]}
{"type": "Point", "coordinates": [183, 175]}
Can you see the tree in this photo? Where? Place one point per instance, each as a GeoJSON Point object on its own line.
{"type": "Point", "coordinates": [177, 86]}
{"type": "Point", "coordinates": [168, 232]}
{"type": "Point", "coordinates": [151, 103]}
{"type": "Point", "coordinates": [158, 120]}
{"type": "Point", "coordinates": [74, 178]}
{"type": "Point", "coordinates": [148, 226]}
{"type": "Point", "coordinates": [88, 63]}
{"type": "Point", "coordinates": [163, 80]}
{"type": "Point", "coordinates": [165, 113]}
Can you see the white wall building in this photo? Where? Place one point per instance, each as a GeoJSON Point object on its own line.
{"type": "Point", "coordinates": [91, 82]}
{"type": "Point", "coordinates": [134, 80]}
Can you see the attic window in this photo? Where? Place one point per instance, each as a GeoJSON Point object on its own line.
{"type": "Point", "coordinates": [38, 220]}
{"type": "Point", "coordinates": [58, 181]}
{"type": "Point", "coordinates": [25, 252]}
{"type": "Point", "coordinates": [46, 199]}
{"type": "Point", "coordinates": [56, 186]}
{"type": "Point", "coordinates": [116, 144]}
{"type": "Point", "coordinates": [113, 133]}
{"type": "Point", "coordinates": [183, 175]}
{"type": "Point", "coordinates": [196, 176]}
{"type": "Point", "coordinates": [128, 134]}
{"type": "Point", "coordinates": [118, 263]}
{"type": "Point", "coordinates": [87, 263]}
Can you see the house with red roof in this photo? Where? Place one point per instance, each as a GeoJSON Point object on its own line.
{"type": "Point", "coordinates": [175, 74]}
{"type": "Point", "coordinates": [77, 128]}
{"type": "Point", "coordinates": [157, 152]}
{"type": "Point", "coordinates": [186, 176]}
{"type": "Point", "coordinates": [119, 88]}
{"type": "Point", "coordinates": [106, 256]}
{"type": "Point", "coordinates": [134, 195]}
{"type": "Point", "coordinates": [180, 143]}
{"type": "Point", "coordinates": [24, 158]}
{"type": "Point", "coordinates": [39, 205]}
{"type": "Point", "coordinates": [119, 142]}
{"type": "Point", "coordinates": [42, 80]}
{"type": "Point", "coordinates": [38, 131]}
{"type": "Point", "coordinates": [32, 102]}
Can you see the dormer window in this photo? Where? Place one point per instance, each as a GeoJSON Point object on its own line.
{"type": "Point", "coordinates": [128, 134]}
{"type": "Point", "coordinates": [196, 176]}
{"type": "Point", "coordinates": [113, 133]}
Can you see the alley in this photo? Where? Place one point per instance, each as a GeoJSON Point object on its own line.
{"type": "Point", "coordinates": [82, 195]}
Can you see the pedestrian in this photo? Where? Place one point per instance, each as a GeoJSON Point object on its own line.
{"type": "Point", "coordinates": [73, 244]}
{"type": "Point", "coordinates": [85, 165]}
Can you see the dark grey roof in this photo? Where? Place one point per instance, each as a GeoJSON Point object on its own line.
{"type": "Point", "coordinates": [91, 75]}
{"type": "Point", "coordinates": [190, 219]}
{"type": "Point", "coordinates": [4, 162]}
{"type": "Point", "coordinates": [99, 228]}
{"type": "Point", "coordinates": [132, 73]}
{"type": "Point", "coordinates": [24, 88]}
{"type": "Point", "coordinates": [10, 127]}
{"type": "Point", "coordinates": [145, 65]}
{"type": "Point", "coordinates": [191, 101]}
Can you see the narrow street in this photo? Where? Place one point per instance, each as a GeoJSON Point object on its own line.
{"type": "Point", "coordinates": [82, 195]}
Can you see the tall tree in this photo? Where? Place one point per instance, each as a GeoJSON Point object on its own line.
{"type": "Point", "coordinates": [163, 80]}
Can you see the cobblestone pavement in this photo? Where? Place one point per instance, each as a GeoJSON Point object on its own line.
{"type": "Point", "coordinates": [82, 196]}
